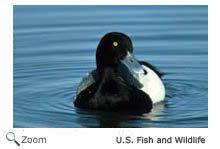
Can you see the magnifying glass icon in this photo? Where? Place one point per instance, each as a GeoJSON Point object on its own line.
{"type": "Point", "coordinates": [10, 136]}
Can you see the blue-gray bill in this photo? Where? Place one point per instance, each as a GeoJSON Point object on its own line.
{"type": "Point", "coordinates": [130, 69]}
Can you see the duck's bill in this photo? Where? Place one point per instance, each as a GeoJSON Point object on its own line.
{"type": "Point", "coordinates": [130, 69]}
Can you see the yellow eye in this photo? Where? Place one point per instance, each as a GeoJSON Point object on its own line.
{"type": "Point", "coordinates": [115, 43]}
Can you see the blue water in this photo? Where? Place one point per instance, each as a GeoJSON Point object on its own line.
{"type": "Point", "coordinates": [54, 47]}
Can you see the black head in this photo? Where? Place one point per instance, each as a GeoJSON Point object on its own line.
{"type": "Point", "coordinates": [114, 56]}
{"type": "Point", "coordinates": [112, 48]}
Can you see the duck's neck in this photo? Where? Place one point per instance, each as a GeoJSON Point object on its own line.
{"type": "Point", "coordinates": [108, 81]}
{"type": "Point", "coordinates": [108, 74]}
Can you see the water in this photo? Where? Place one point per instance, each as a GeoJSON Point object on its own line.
{"type": "Point", "coordinates": [54, 46]}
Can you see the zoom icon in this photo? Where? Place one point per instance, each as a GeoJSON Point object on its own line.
{"type": "Point", "coordinates": [10, 136]}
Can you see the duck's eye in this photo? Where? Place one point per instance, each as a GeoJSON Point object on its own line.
{"type": "Point", "coordinates": [115, 43]}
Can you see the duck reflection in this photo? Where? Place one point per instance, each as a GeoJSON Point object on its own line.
{"type": "Point", "coordinates": [107, 119]}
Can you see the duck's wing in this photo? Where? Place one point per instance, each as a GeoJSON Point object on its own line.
{"type": "Point", "coordinates": [159, 73]}
{"type": "Point", "coordinates": [87, 80]}
{"type": "Point", "coordinates": [83, 98]}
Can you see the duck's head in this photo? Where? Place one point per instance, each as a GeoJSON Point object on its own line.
{"type": "Point", "coordinates": [115, 51]}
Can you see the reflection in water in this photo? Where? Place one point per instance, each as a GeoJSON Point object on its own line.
{"type": "Point", "coordinates": [156, 113]}
{"type": "Point", "coordinates": [110, 119]}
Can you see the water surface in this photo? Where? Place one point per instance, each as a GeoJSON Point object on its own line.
{"type": "Point", "coordinates": [54, 47]}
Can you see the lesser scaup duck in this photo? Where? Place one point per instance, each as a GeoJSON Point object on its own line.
{"type": "Point", "coordinates": [120, 82]}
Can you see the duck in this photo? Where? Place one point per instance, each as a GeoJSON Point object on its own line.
{"type": "Point", "coordinates": [120, 82]}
